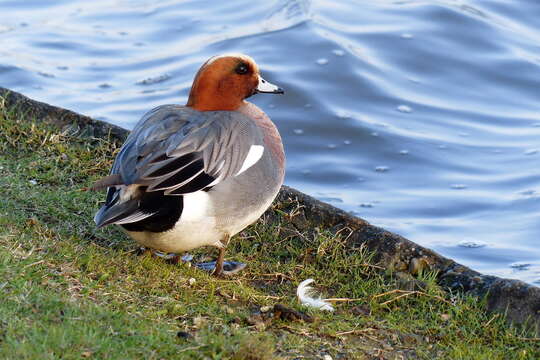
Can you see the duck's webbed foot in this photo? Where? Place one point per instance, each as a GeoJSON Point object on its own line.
{"type": "Point", "coordinates": [220, 267]}
{"type": "Point", "coordinates": [226, 268]}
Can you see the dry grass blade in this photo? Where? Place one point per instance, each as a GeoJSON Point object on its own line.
{"type": "Point", "coordinates": [405, 293]}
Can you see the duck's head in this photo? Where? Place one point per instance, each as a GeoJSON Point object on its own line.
{"type": "Point", "coordinates": [224, 81]}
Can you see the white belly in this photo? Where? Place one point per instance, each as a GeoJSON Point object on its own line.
{"type": "Point", "coordinates": [207, 218]}
{"type": "Point", "coordinates": [195, 228]}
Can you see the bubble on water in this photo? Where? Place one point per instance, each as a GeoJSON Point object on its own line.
{"type": "Point", "coordinates": [404, 152]}
{"type": "Point", "coordinates": [360, 179]}
{"type": "Point", "coordinates": [23, 24]}
{"type": "Point", "coordinates": [497, 151]}
{"type": "Point", "coordinates": [531, 151]}
{"type": "Point", "coordinates": [458, 186]}
{"type": "Point", "coordinates": [271, 106]}
{"type": "Point", "coordinates": [406, 36]}
{"type": "Point", "coordinates": [374, 133]}
{"type": "Point", "coordinates": [154, 80]}
{"type": "Point", "coordinates": [366, 205]}
{"type": "Point", "coordinates": [105, 86]}
{"type": "Point", "coordinates": [123, 33]}
{"type": "Point", "coordinates": [382, 169]}
{"type": "Point", "coordinates": [322, 61]}
{"type": "Point", "coordinates": [520, 266]}
{"type": "Point", "coordinates": [347, 142]}
{"type": "Point", "coordinates": [139, 43]}
{"type": "Point", "coordinates": [62, 67]}
{"type": "Point", "coordinates": [308, 105]}
{"type": "Point", "coordinates": [404, 109]}
{"type": "Point", "coordinates": [306, 172]}
{"type": "Point", "coordinates": [298, 131]}
{"type": "Point", "coordinates": [463, 134]}
{"type": "Point", "coordinates": [331, 146]}
{"type": "Point", "coordinates": [442, 147]}
{"type": "Point", "coordinates": [472, 244]}
{"type": "Point", "coordinates": [338, 52]}
{"type": "Point", "coordinates": [46, 74]}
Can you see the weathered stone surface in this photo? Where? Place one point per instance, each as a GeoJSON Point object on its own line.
{"type": "Point", "coordinates": [519, 300]}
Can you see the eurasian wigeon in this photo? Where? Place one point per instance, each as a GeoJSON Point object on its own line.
{"type": "Point", "coordinates": [195, 175]}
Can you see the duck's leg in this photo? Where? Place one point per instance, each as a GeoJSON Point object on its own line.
{"type": "Point", "coordinates": [218, 268]}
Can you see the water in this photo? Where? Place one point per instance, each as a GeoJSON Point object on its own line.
{"type": "Point", "coordinates": [419, 116]}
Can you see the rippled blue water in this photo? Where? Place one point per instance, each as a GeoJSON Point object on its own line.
{"type": "Point", "coordinates": [419, 116]}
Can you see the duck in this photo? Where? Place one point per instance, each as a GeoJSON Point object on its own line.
{"type": "Point", "coordinates": [195, 175]}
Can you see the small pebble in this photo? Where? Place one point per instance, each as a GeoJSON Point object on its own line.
{"type": "Point", "coordinates": [445, 317]}
{"type": "Point", "coordinates": [33, 182]}
{"type": "Point", "coordinates": [265, 309]}
{"type": "Point", "coordinates": [183, 335]}
{"type": "Point", "coordinates": [198, 321]}
{"type": "Point", "coordinates": [192, 281]}
{"type": "Point", "coordinates": [327, 357]}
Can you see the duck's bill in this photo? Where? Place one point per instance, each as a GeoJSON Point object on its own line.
{"type": "Point", "coordinates": [268, 88]}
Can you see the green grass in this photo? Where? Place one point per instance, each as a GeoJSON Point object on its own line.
{"type": "Point", "coordinates": [71, 291]}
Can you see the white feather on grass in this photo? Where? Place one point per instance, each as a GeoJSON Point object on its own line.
{"type": "Point", "coordinates": [306, 295]}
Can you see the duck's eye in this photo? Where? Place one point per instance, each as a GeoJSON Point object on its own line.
{"type": "Point", "coordinates": [242, 69]}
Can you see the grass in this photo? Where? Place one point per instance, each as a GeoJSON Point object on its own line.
{"type": "Point", "coordinates": [71, 291]}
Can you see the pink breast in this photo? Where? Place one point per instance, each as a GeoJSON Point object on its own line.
{"type": "Point", "coordinates": [272, 139]}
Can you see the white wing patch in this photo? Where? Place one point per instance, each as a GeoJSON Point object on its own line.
{"type": "Point", "coordinates": [255, 153]}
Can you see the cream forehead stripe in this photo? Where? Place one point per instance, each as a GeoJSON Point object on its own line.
{"type": "Point", "coordinates": [236, 55]}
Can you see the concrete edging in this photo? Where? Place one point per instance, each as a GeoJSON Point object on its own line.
{"type": "Point", "coordinates": [520, 301]}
